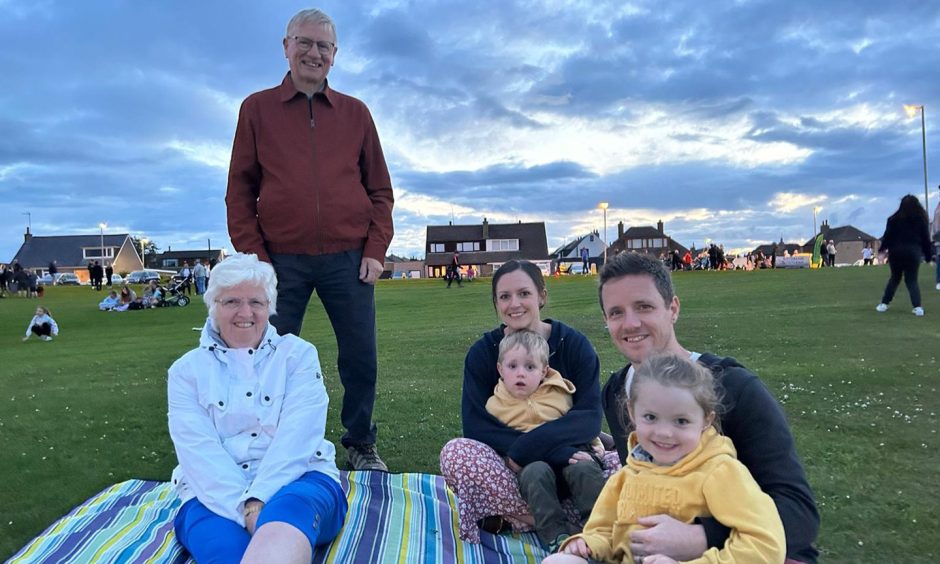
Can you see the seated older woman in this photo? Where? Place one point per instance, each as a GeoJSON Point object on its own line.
{"type": "Point", "coordinates": [247, 415]}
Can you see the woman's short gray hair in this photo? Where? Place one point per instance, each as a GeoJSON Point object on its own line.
{"type": "Point", "coordinates": [241, 268]}
{"type": "Point", "coordinates": [311, 15]}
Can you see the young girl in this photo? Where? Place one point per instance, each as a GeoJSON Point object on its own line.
{"type": "Point", "coordinates": [678, 465]}
{"type": "Point", "coordinates": [42, 325]}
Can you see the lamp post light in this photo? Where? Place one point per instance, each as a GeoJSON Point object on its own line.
{"type": "Point", "coordinates": [604, 206]}
{"type": "Point", "coordinates": [143, 244]}
{"type": "Point", "coordinates": [102, 226]}
{"type": "Point", "coordinates": [911, 111]}
{"type": "Point", "coordinates": [815, 209]}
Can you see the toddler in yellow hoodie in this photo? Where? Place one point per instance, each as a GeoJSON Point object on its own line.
{"type": "Point", "coordinates": [528, 394]}
{"type": "Point", "coordinates": [680, 466]}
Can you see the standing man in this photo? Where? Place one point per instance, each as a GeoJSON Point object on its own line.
{"type": "Point", "coordinates": [108, 273]}
{"type": "Point", "coordinates": [640, 308]}
{"type": "Point", "coordinates": [199, 274]}
{"type": "Point", "coordinates": [53, 270]}
{"type": "Point", "coordinates": [97, 273]}
{"type": "Point", "coordinates": [585, 260]}
{"type": "Point", "coordinates": [309, 191]}
{"type": "Point", "coordinates": [453, 271]}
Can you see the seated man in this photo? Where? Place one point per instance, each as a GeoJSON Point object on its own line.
{"type": "Point", "coordinates": [641, 308]}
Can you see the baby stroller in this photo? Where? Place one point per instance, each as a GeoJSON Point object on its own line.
{"type": "Point", "coordinates": [173, 295]}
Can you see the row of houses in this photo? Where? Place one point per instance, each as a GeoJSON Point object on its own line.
{"type": "Point", "coordinates": [483, 246]}
{"type": "Point", "coordinates": [73, 253]}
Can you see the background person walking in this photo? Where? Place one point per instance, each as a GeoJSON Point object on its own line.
{"type": "Point", "coordinates": [907, 243]}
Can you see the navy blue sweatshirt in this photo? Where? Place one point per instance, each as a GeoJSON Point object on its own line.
{"type": "Point", "coordinates": [755, 422]}
{"type": "Point", "coordinates": [571, 354]}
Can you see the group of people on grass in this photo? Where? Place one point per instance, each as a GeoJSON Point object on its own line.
{"type": "Point", "coordinates": [700, 465]}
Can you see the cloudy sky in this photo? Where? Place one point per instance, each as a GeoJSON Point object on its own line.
{"type": "Point", "coordinates": [727, 120]}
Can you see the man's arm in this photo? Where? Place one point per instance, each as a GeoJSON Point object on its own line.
{"type": "Point", "coordinates": [378, 186]}
{"type": "Point", "coordinates": [244, 187]}
{"type": "Point", "coordinates": [761, 435]}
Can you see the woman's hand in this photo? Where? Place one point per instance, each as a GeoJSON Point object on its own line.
{"type": "Point", "coordinates": [578, 457]}
{"type": "Point", "coordinates": [252, 510]}
{"type": "Point", "coordinates": [577, 547]}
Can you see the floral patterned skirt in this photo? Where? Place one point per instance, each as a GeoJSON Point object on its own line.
{"type": "Point", "coordinates": [485, 486]}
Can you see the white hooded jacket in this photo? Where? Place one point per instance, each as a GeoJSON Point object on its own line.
{"type": "Point", "coordinates": [246, 422]}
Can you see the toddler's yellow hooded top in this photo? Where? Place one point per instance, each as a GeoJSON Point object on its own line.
{"type": "Point", "coordinates": [709, 481]}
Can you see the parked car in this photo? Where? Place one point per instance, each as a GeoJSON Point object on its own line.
{"type": "Point", "coordinates": [46, 279]}
{"type": "Point", "coordinates": [67, 279]}
{"type": "Point", "coordinates": [117, 279]}
{"type": "Point", "coordinates": [142, 277]}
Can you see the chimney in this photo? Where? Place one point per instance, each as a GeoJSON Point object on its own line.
{"type": "Point", "coordinates": [619, 231]}
{"type": "Point", "coordinates": [486, 229]}
{"type": "Point", "coordinates": [659, 226]}
{"type": "Point", "coordinates": [27, 236]}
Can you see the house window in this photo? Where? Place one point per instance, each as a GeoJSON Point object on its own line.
{"type": "Point", "coordinates": [502, 245]}
{"type": "Point", "coordinates": [437, 247]}
{"type": "Point", "coordinates": [96, 252]}
{"type": "Point", "coordinates": [170, 263]}
{"type": "Point", "coordinates": [635, 244]}
{"type": "Point", "coordinates": [468, 246]}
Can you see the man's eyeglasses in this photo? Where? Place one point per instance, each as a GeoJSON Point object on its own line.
{"type": "Point", "coordinates": [235, 304]}
{"type": "Point", "coordinates": [323, 47]}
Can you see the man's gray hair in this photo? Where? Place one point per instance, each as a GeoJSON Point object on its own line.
{"type": "Point", "coordinates": [311, 15]}
{"type": "Point", "coordinates": [238, 269]}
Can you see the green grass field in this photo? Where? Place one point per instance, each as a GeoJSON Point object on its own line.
{"type": "Point", "coordinates": [860, 389]}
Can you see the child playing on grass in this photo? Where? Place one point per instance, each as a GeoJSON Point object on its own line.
{"type": "Point", "coordinates": [528, 394]}
{"type": "Point", "coordinates": [42, 325]}
{"type": "Point", "coordinates": [110, 302]}
{"type": "Point", "coordinates": [678, 465]}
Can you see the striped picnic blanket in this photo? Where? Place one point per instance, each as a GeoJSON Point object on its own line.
{"type": "Point", "coordinates": [401, 518]}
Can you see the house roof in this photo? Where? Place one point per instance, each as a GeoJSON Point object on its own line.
{"type": "Point", "coordinates": [842, 234]}
{"type": "Point", "coordinates": [642, 231]}
{"type": "Point", "coordinates": [569, 250]}
{"type": "Point", "coordinates": [768, 248]}
{"type": "Point", "coordinates": [213, 254]}
{"type": "Point", "coordinates": [66, 250]}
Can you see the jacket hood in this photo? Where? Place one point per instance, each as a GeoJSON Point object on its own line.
{"type": "Point", "coordinates": [710, 446]}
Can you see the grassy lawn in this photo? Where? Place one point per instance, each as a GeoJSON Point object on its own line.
{"type": "Point", "coordinates": [860, 388]}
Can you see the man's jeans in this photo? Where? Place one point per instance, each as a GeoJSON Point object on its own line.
{"type": "Point", "coordinates": [350, 305]}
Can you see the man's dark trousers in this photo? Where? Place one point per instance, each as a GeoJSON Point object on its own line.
{"type": "Point", "coordinates": [350, 305]}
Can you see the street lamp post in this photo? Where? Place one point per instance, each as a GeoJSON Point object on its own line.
{"type": "Point", "coordinates": [911, 112]}
{"type": "Point", "coordinates": [604, 206]}
{"type": "Point", "coordinates": [143, 261]}
{"type": "Point", "coordinates": [101, 226]}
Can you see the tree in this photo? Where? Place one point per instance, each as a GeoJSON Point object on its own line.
{"type": "Point", "coordinates": [150, 249]}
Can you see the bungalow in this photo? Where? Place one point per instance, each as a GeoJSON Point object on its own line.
{"type": "Point", "coordinates": [570, 253]}
{"type": "Point", "coordinates": [645, 239]}
{"type": "Point", "coordinates": [173, 260]}
{"type": "Point", "coordinates": [73, 253]}
{"type": "Point", "coordinates": [849, 242]}
{"type": "Point", "coordinates": [485, 246]}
